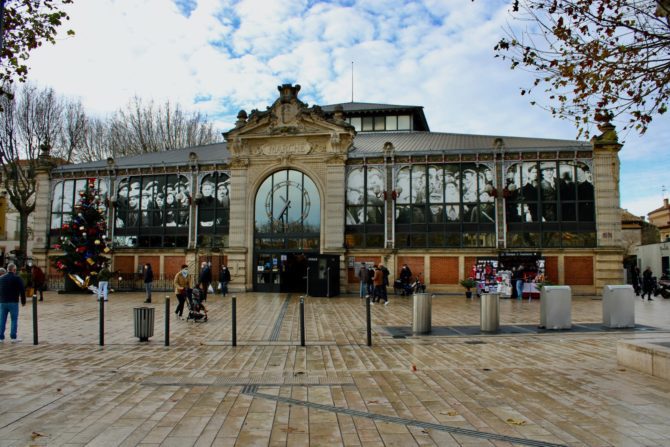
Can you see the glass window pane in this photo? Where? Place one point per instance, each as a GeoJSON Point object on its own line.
{"type": "Point", "coordinates": [584, 182]}
{"type": "Point", "coordinates": [356, 122]}
{"type": "Point", "coordinates": [566, 182]}
{"type": "Point", "coordinates": [367, 123]}
{"type": "Point", "coordinates": [418, 240]}
{"type": "Point", "coordinates": [404, 122]}
{"type": "Point", "coordinates": [568, 212]}
{"type": "Point", "coordinates": [374, 240]}
{"type": "Point", "coordinates": [551, 239]}
{"type": "Point", "coordinates": [402, 185]}
{"type": "Point", "coordinates": [354, 215]}
{"type": "Point", "coordinates": [391, 122]}
{"type": "Point", "coordinates": [380, 122]}
{"type": "Point", "coordinates": [418, 185]}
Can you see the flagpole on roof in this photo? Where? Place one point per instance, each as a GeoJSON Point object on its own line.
{"type": "Point", "coordinates": [352, 81]}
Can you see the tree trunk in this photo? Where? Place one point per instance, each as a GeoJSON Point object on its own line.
{"type": "Point", "coordinates": [23, 239]}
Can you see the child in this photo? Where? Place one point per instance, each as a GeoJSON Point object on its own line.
{"type": "Point", "coordinates": [197, 295]}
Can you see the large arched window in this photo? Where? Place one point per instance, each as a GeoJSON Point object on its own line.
{"type": "Point", "coordinates": [287, 212]}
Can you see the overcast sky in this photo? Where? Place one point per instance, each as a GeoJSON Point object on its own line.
{"type": "Point", "coordinates": [220, 56]}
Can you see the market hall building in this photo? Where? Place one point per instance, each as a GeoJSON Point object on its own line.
{"type": "Point", "coordinates": [297, 197]}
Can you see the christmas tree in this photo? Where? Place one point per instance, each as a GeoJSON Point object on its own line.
{"type": "Point", "coordinates": [84, 239]}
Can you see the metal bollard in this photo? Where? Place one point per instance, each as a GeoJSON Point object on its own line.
{"type": "Point", "coordinates": [490, 312]}
{"type": "Point", "coordinates": [302, 321]}
{"type": "Point", "coordinates": [234, 317]}
{"type": "Point", "coordinates": [35, 319]}
{"type": "Point", "coordinates": [328, 282]}
{"type": "Point", "coordinates": [167, 320]}
{"type": "Point", "coordinates": [368, 317]}
{"type": "Point", "coordinates": [102, 322]}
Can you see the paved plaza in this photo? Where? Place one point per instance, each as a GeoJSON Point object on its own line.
{"type": "Point", "coordinates": [457, 388]}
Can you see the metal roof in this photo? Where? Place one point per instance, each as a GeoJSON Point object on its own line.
{"type": "Point", "coordinates": [427, 142]}
{"type": "Point", "coordinates": [365, 144]}
{"type": "Point", "coordinates": [207, 154]}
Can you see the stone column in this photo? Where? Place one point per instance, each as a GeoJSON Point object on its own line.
{"type": "Point", "coordinates": [609, 255]}
{"type": "Point", "coordinates": [240, 217]}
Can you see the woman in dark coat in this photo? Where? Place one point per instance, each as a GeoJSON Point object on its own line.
{"type": "Point", "coordinates": [647, 283]}
{"type": "Point", "coordinates": [148, 281]}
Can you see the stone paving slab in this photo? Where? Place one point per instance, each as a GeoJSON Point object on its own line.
{"type": "Point", "coordinates": [562, 388]}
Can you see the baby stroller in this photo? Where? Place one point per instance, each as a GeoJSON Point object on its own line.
{"type": "Point", "coordinates": [196, 309]}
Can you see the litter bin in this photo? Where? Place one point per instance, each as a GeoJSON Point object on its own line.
{"type": "Point", "coordinates": [421, 319]}
{"type": "Point", "coordinates": [556, 307]}
{"type": "Point", "coordinates": [618, 306]}
{"type": "Point", "coordinates": [144, 322]}
{"type": "Point", "coordinates": [490, 312]}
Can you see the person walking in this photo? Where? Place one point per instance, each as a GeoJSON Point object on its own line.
{"type": "Point", "coordinates": [385, 283]}
{"type": "Point", "coordinates": [103, 282]}
{"type": "Point", "coordinates": [205, 279]}
{"type": "Point", "coordinates": [636, 280]}
{"type": "Point", "coordinates": [181, 289]}
{"type": "Point", "coordinates": [363, 278]}
{"type": "Point", "coordinates": [224, 279]}
{"type": "Point", "coordinates": [11, 289]}
{"type": "Point", "coordinates": [405, 275]}
{"type": "Point", "coordinates": [378, 282]}
{"type": "Point", "coordinates": [27, 279]}
{"type": "Point", "coordinates": [148, 281]}
{"type": "Point", "coordinates": [647, 283]}
{"type": "Point", "coordinates": [39, 280]}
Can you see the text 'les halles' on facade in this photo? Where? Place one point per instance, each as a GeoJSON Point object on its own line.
{"type": "Point", "coordinates": [301, 195]}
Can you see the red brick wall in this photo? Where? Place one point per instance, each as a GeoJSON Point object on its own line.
{"type": "Point", "coordinates": [124, 264]}
{"type": "Point", "coordinates": [351, 273]}
{"type": "Point", "coordinates": [578, 270]}
{"type": "Point", "coordinates": [551, 269]}
{"type": "Point", "coordinates": [444, 270]}
{"type": "Point", "coordinates": [172, 264]}
{"type": "Point", "coordinates": [415, 264]}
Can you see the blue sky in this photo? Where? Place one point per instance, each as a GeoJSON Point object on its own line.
{"type": "Point", "coordinates": [218, 57]}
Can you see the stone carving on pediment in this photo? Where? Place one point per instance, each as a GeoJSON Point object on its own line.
{"type": "Point", "coordinates": [282, 149]}
{"type": "Point", "coordinates": [239, 162]}
{"type": "Point", "coordinates": [336, 159]}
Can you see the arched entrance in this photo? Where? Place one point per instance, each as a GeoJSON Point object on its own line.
{"type": "Point", "coordinates": [287, 222]}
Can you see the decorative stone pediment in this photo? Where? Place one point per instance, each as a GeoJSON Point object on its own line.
{"type": "Point", "coordinates": [289, 128]}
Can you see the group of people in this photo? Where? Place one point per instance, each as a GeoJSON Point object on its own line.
{"type": "Point", "coordinates": [374, 280]}
{"type": "Point", "coordinates": [153, 205]}
{"type": "Point", "coordinates": [643, 284]}
{"type": "Point", "coordinates": [14, 287]}
{"type": "Point", "coordinates": [527, 186]}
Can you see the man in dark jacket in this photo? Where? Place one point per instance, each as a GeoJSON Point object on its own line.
{"type": "Point", "coordinates": [11, 288]}
{"type": "Point", "coordinates": [205, 279]}
{"type": "Point", "coordinates": [224, 279]}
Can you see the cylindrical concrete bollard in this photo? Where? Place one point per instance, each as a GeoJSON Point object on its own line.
{"type": "Point", "coordinates": [490, 312]}
{"type": "Point", "coordinates": [422, 313]}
